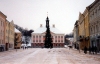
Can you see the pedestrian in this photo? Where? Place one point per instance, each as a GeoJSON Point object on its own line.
{"type": "Point", "coordinates": [23, 47]}
{"type": "Point", "coordinates": [95, 50]}
{"type": "Point", "coordinates": [2, 48]}
{"type": "Point", "coordinates": [90, 50]}
{"type": "Point", "coordinates": [85, 50]}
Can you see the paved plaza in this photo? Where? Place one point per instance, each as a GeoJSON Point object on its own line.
{"type": "Point", "coordinates": [47, 56]}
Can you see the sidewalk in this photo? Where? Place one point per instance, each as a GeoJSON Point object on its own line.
{"type": "Point", "coordinates": [97, 56]}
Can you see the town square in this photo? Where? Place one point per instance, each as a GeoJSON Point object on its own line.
{"type": "Point", "coordinates": [49, 32]}
{"type": "Point", "coordinates": [48, 56]}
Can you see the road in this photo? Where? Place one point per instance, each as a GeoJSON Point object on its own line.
{"type": "Point", "coordinates": [47, 56]}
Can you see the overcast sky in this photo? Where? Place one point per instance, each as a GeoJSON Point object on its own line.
{"type": "Point", "coordinates": [31, 13]}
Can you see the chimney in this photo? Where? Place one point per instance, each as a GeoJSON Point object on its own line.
{"type": "Point", "coordinates": [53, 25]}
{"type": "Point", "coordinates": [40, 25]}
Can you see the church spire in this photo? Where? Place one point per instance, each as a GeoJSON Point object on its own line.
{"type": "Point", "coordinates": [47, 16]}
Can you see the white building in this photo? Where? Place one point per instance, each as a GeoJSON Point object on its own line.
{"type": "Point", "coordinates": [38, 37]}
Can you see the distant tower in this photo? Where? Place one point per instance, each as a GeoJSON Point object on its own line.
{"type": "Point", "coordinates": [48, 37]}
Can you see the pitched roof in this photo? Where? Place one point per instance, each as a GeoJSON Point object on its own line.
{"type": "Point", "coordinates": [91, 5]}
{"type": "Point", "coordinates": [52, 29]}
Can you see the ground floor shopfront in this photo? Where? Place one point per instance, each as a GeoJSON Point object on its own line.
{"type": "Point", "coordinates": [95, 41]}
{"type": "Point", "coordinates": [39, 45]}
{"type": "Point", "coordinates": [6, 46]}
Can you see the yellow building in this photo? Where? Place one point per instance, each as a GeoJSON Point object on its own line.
{"type": "Point", "coordinates": [86, 24]}
{"type": "Point", "coordinates": [83, 23]}
{"type": "Point", "coordinates": [2, 29]}
{"type": "Point", "coordinates": [7, 34]}
{"type": "Point", "coordinates": [81, 31]}
{"type": "Point", "coordinates": [11, 35]}
{"type": "Point", "coordinates": [18, 37]}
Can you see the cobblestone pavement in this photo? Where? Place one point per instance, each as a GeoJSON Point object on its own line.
{"type": "Point", "coordinates": [47, 56]}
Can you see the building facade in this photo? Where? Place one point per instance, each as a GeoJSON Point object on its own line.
{"type": "Point", "coordinates": [11, 35]}
{"type": "Point", "coordinates": [18, 42]}
{"type": "Point", "coordinates": [76, 35]}
{"type": "Point", "coordinates": [81, 31]}
{"type": "Point", "coordinates": [86, 28]}
{"type": "Point", "coordinates": [2, 30]}
{"type": "Point", "coordinates": [7, 35]}
{"type": "Point", "coordinates": [94, 23]}
{"type": "Point", "coordinates": [39, 35]}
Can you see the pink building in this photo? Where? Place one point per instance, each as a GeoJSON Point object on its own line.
{"type": "Point", "coordinates": [38, 37]}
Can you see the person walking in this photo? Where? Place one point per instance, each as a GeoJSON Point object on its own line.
{"type": "Point", "coordinates": [90, 50]}
{"type": "Point", "coordinates": [95, 50]}
{"type": "Point", "coordinates": [85, 50]}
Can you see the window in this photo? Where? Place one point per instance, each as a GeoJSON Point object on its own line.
{"type": "Point", "coordinates": [93, 13]}
{"type": "Point", "coordinates": [96, 28]}
{"type": "Point", "coordinates": [1, 23]}
{"type": "Point", "coordinates": [36, 40]}
{"type": "Point", "coordinates": [99, 8]}
{"type": "Point", "coordinates": [36, 36]}
{"type": "Point", "coordinates": [33, 40]}
{"type": "Point", "coordinates": [58, 36]}
{"type": "Point", "coordinates": [91, 29]}
{"type": "Point", "coordinates": [6, 37]}
{"type": "Point", "coordinates": [2, 41]}
{"type": "Point", "coordinates": [33, 36]}
{"type": "Point", "coordinates": [61, 40]}
{"type": "Point", "coordinates": [58, 44]}
{"type": "Point", "coordinates": [55, 40]}
{"type": "Point", "coordinates": [6, 31]}
{"type": "Point", "coordinates": [58, 40]}
{"type": "Point", "coordinates": [55, 36]}
{"type": "Point", "coordinates": [61, 36]}
{"type": "Point", "coordinates": [1, 32]}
